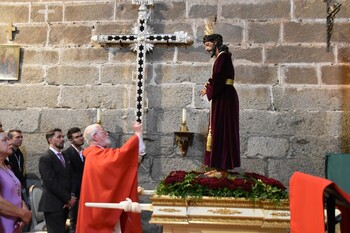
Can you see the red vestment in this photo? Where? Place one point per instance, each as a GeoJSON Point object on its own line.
{"type": "Point", "coordinates": [225, 149]}
{"type": "Point", "coordinates": [110, 175]}
{"type": "Point", "coordinates": [307, 204]}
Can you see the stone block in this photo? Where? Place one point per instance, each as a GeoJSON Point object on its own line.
{"type": "Point", "coordinates": [335, 75]}
{"type": "Point", "coordinates": [302, 122]}
{"type": "Point", "coordinates": [13, 119]}
{"type": "Point", "coordinates": [300, 32]}
{"type": "Point", "coordinates": [54, 13]}
{"type": "Point", "coordinates": [95, 96]}
{"type": "Point", "coordinates": [32, 74]}
{"type": "Point", "coordinates": [311, 99]}
{"type": "Point", "coordinates": [261, 74]}
{"type": "Point", "coordinates": [267, 147]}
{"type": "Point", "coordinates": [176, 73]}
{"type": "Point", "coordinates": [193, 54]}
{"type": "Point", "coordinates": [3, 36]}
{"type": "Point", "coordinates": [299, 74]}
{"type": "Point", "coordinates": [298, 54]}
{"type": "Point", "coordinates": [169, 10]}
{"type": "Point", "coordinates": [46, 12]}
{"type": "Point", "coordinates": [39, 96]}
{"type": "Point", "coordinates": [106, 28]}
{"type": "Point", "coordinates": [69, 34]}
{"type": "Point", "coordinates": [65, 119]}
{"type": "Point", "coordinates": [161, 53]}
{"type": "Point", "coordinates": [232, 33]}
{"type": "Point", "coordinates": [283, 169]}
{"type": "Point", "coordinates": [126, 11]}
{"type": "Point", "coordinates": [254, 97]}
{"type": "Point", "coordinates": [98, 11]}
{"type": "Point", "coordinates": [159, 145]}
{"type": "Point", "coordinates": [247, 55]}
{"type": "Point", "coordinates": [38, 12]}
{"type": "Point", "coordinates": [118, 74]}
{"type": "Point", "coordinates": [341, 33]}
{"type": "Point", "coordinates": [254, 165]}
{"type": "Point", "coordinates": [36, 145]}
{"type": "Point", "coordinates": [72, 75]}
{"type": "Point", "coordinates": [14, 13]}
{"type": "Point", "coordinates": [166, 165]}
{"type": "Point", "coordinates": [171, 27]}
{"type": "Point", "coordinates": [202, 11]}
{"type": "Point", "coordinates": [122, 55]}
{"type": "Point", "coordinates": [40, 57]}
{"type": "Point", "coordinates": [260, 10]}
{"type": "Point", "coordinates": [303, 146]}
{"type": "Point", "coordinates": [24, 35]}
{"type": "Point", "coordinates": [83, 56]}
{"type": "Point", "coordinates": [263, 32]}
{"type": "Point", "coordinates": [311, 9]}
{"type": "Point", "coordinates": [170, 96]}
{"type": "Point", "coordinates": [344, 55]}
{"type": "Point", "coordinates": [169, 121]}
{"type": "Point", "coordinates": [200, 101]}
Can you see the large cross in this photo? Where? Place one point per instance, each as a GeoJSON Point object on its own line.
{"type": "Point", "coordinates": [142, 40]}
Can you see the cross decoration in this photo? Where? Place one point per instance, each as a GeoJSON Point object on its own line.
{"type": "Point", "coordinates": [142, 40]}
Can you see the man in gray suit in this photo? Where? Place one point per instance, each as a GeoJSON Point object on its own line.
{"type": "Point", "coordinates": [55, 173]}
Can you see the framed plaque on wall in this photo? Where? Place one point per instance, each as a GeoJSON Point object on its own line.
{"type": "Point", "coordinates": [9, 62]}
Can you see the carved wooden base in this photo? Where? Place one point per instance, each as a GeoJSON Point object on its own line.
{"type": "Point", "coordinates": [219, 215]}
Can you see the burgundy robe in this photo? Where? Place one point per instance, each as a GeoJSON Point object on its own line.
{"type": "Point", "coordinates": [225, 149]}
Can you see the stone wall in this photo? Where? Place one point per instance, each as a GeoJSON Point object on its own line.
{"type": "Point", "coordinates": [293, 93]}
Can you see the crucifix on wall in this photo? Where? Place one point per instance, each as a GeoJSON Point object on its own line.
{"type": "Point", "coordinates": [142, 40]}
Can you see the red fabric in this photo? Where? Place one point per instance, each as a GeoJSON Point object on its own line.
{"type": "Point", "coordinates": [225, 150]}
{"type": "Point", "coordinates": [307, 204]}
{"type": "Point", "coordinates": [110, 175]}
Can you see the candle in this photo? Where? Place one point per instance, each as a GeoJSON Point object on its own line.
{"type": "Point", "coordinates": [98, 116]}
{"type": "Point", "coordinates": [183, 115]}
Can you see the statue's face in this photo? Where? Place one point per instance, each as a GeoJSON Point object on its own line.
{"type": "Point", "coordinates": [209, 46]}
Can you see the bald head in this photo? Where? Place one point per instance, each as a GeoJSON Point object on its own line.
{"type": "Point", "coordinates": [96, 135]}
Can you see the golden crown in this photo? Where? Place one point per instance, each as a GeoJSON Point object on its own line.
{"type": "Point", "coordinates": [209, 26]}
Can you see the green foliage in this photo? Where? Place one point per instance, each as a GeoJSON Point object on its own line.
{"type": "Point", "coordinates": [193, 184]}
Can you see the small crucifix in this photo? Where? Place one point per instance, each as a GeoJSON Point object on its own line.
{"type": "Point", "coordinates": [333, 7]}
{"type": "Point", "coordinates": [10, 30]}
{"type": "Point", "coordinates": [142, 40]}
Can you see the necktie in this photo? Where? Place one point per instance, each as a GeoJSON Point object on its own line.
{"type": "Point", "coordinates": [60, 156]}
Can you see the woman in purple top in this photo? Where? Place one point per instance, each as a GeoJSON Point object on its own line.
{"type": "Point", "coordinates": [10, 190]}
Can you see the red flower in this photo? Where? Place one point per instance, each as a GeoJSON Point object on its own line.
{"type": "Point", "coordinates": [175, 177]}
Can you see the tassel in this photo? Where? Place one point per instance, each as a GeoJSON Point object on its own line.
{"type": "Point", "coordinates": [209, 141]}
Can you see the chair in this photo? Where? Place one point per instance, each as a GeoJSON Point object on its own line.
{"type": "Point", "coordinates": [337, 170]}
{"type": "Point", "coordinates": [38, 220]}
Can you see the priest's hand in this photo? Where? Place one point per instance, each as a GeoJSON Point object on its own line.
{"type": "Point", "coordinates": [137, 126]}
{"type": "Point", "coordinates": [129, 206]}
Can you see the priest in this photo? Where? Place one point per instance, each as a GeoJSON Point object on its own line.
{"type": "Point", "coordinates": [110, 175]}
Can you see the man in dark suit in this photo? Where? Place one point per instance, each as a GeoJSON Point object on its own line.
{"type": "Point", "coordinates": [16, 159]}
{"type": "Point", "coordinates": [75, 155]}
{"type": "Point", "coordinates": [56, 177]}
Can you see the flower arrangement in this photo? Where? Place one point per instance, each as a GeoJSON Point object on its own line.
{"type": "Point", "coordinates": [214, 183]}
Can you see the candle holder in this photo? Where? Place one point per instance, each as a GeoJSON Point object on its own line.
{"type": "Point", "coordinates": [183, 138]}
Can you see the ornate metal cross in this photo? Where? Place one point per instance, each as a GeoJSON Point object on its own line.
{"type": "Point", "coordinates": [142, 40]}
